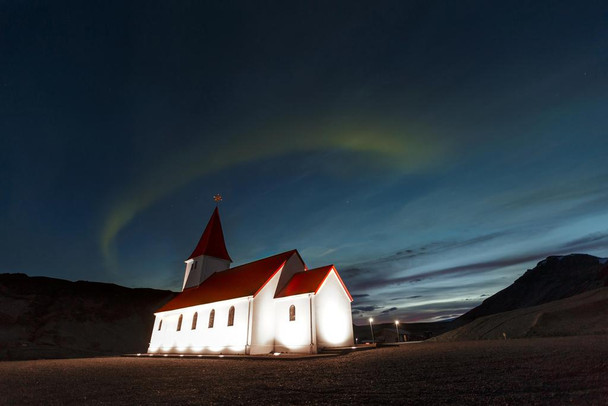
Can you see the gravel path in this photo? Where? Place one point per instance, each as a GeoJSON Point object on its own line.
{"type": "Point", "coordinates": [572, 370]}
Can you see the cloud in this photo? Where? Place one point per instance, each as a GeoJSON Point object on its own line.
{"type": "Point", "coordinates": [466, 269]}
{"type": "Point", "coordinates": [432, 248]}
{"type": "Point", "coordinates": [579, 190]}
{"type": "Point", "coordinates": [366, 308]}
{"type": "Point", "coordinates": [392, 309]}
{"type": "Point", "coordinates": [438, 316]}
{"type": "Point", "coordinates": [588, 242]}
{"type": "Point", "coordinates": [383, 279]}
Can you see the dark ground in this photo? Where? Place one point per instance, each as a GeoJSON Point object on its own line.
{"type": "Point", "coordinates": [570, 370]}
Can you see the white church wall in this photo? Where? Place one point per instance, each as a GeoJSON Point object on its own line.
{"type": "Point", "coordinates": [205, 267]}
{"type": "Point", "coordinates": [294, 335]}
{"type": "Point", "coordinates": [263, 319]}
{"type": "Point", "coordinates": [220, 339]}
{"type": "Point", "coordinates": [192, 274]}
{"type": "Point", "coordinates": [160, 333]}
{"type": "Point", "coordinates": [333, 318]}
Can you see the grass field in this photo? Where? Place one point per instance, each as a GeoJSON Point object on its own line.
{"type": "Point", "coordinates": [571, 370]}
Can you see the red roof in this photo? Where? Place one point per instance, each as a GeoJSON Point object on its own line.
{"type": "Point", "coordinates": [212, 241]}
{"type": "Point", "coordinates": [309, 281]}
{"type": "Point", "coordinates": [241, 281]}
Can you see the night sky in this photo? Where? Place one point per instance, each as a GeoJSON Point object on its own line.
{"type": "Point", "coordinates": [433, 151]}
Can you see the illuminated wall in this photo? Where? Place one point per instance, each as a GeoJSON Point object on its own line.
{"type": "Point", "coordinates": [202, 340]}
{"type": "Point", "coordinates": [334, 322]}
{"type": "Point", "coordinates": [294, 335]}
{"type": "Point", "coordinates": [262, 329]}
{"type": "Point", "coordinates": [263, 320]}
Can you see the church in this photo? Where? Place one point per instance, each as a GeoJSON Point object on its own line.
{"type": "Point", "coordinates": [272, 305]}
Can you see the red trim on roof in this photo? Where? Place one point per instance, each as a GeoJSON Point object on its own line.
{"type": "Point", "coordinates": [310, 282]}
{"type": "Point", "coordinates": [241, 281]}
{"type": "Point", "coordinates": [322, 282]}
{"type": "Point", "coordinates": [339, 278]}
{"type": "Point", "coordinates": [212, 241]}
{"type": "Point", "coordinates": [269, 279]}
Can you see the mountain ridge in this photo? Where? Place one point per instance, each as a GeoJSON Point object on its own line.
{"type": "Point", "coordinates": [553, 278]}
{"type": "Point", "coordinates": [561, 296]}
{"type": "Point", "coordinates": [42, 317]}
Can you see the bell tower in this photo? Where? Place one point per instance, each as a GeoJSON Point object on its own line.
{"type": "Point", "coordinates": [209, 256]}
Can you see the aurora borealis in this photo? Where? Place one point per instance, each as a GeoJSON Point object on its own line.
{"type": "Point", "coordinates": [431, 150]}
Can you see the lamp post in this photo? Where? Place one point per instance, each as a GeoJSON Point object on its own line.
{"type": "Point", "coordinates": [397, 328]}
{"type": "Point", "coordinates": [372, 329]}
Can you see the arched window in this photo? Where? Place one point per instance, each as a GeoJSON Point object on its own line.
{"type": "Point", "coordinates": [179, 322]}
{"type": "Point", "coordinates": [292, 313]}
{"type": "Point", "coordinates": [231, 316]}
{"type": "Point", "coordinates": [160, 325]}
{"type": "Point", "coordinates": [211, 318]}
{"type": "Point", "coordinates": [194, 320]}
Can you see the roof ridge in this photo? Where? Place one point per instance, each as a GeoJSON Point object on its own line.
{"type": "Point", "coordinates": [321, 267]}
{"type": "Point", "coordinates": [259, 260]}
{"type": "Point", "coordinates": [244, 280]}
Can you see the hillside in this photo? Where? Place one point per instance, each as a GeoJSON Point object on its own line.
{"type": "Point", "coordinates": [561, 296]}
{"type": "Point", "coordinates": [554, 278]}
{"type": "Point", "coordinates": [582, 314]}
{"type": "Point", "coordinates": [52, 318]}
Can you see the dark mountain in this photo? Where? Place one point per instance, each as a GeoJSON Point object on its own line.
{"type": "Point", "coordinates": [554, 278]}
{"type": "Point", "coordinates": [561, 296]}
{"type": "Point", "coordinates": [52, 318]}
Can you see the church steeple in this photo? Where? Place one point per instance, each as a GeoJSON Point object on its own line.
{"type": "Point", "coordinates": [212, 241]}
{"type": "Point", "coordinates": [210, 254]}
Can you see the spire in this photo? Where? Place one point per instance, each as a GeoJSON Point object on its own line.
{"type": "Point", "coordinates": [212, 241]}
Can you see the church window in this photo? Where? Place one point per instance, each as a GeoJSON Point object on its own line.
{"type": "Point", "coordinates": [211, 318]}
{"type": "Point", "coordinates": [194, 320]}
{"type": "Point", "coordinates": [292, 313]}
{"type": "Point", "coordinates": [231, 316]}
{"type": "Point", "coordinates": [160, 325]}
{"type": "Point", "coordinates": [179, 322]}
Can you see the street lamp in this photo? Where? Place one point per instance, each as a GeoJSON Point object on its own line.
{"type": "Point", "coordinates": [371, 319]}
{"type": "Point", "coordinates": [397, 328]}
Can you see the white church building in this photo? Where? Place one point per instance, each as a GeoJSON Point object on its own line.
{"type": "Point", "coordinates": [275, 304]}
